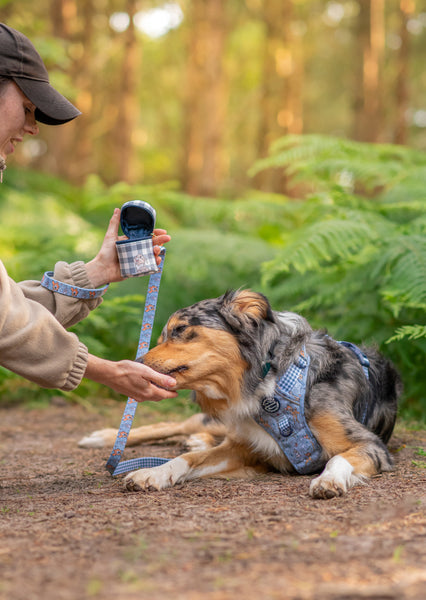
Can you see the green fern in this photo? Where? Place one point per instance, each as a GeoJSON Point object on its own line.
{"type": "Point", "coordinates": [357, 265]}
{"type": "Point", "coordinates": [404, 264]}
{"type": "Point", "coordinates": [322, 160]}
{"type": "Point", "coordinates": [322, 243]}
{"type": "Point", "coordinates": [410, 332]}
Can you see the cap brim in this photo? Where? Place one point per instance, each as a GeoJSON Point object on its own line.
{"type": "Point", "coordinates": [51, 107]}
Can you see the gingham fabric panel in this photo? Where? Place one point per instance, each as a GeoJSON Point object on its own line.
{"type": "Point", "coordinates": [136, 257]}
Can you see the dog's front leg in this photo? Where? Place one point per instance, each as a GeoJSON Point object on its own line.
{"type": "Point", "coordinates": [223, 460]}
{"type": "Point", "coordinates": [355, 454]}
{"type": "Point", "coordinates": [350, 468]}
{"type": "Point", "coordinates": [158, 478]}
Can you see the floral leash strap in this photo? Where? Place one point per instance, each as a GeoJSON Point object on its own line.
{"type": "Point", "coordinates": [114, 466]}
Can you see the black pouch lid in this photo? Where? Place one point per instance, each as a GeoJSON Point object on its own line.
{"type": "Point", "coordinates": [137, 219]}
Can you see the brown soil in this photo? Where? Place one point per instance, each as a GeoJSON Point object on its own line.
{"type": "Point", "coordinates": [69, 531]}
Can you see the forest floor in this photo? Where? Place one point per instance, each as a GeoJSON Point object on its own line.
{"type": "Point", "coordinates": [69, 531]}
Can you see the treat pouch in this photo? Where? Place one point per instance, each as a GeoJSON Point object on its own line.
{"type": "Point", "coordinates": [136, 254]}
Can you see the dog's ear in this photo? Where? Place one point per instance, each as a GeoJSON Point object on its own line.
{"type": "Point", "coordinates": [246, 305]}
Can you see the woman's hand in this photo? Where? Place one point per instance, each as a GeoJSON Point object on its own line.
{"type": "Point", "coordinates": [132, 379]}
{"type": "Point", "coordinates": [105, 268]}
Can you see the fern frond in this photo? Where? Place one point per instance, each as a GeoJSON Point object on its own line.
{"type": "Point", "coordinates": [295, 151]}
{"type": "Point", "coordinates": [347, 173]}
{"type": "Point", "coordinates": [328, 161]}
{"type": "Point", "coordinates": [410, 332]}
{"type": "Point", "coordinates": [410, 185]}
{"type": "Point", "coordinates": [322, 243]}
{"type": "Point", "coordinates": [402, 211]}
{"type": "Point", "coordinates": [418, 226]}
{"type": "Point", "coordinates": [405, 272]}
{"type": "Point", "coordinates": [322, 143]}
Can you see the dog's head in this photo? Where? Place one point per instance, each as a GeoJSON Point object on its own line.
{"type": "Point", "coordinates": [210, 346]}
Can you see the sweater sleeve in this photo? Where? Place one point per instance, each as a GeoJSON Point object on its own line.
{"type": "Point", "coordinates": [67, 310]}
{"type": "Point", "coordinates": [33, 342]}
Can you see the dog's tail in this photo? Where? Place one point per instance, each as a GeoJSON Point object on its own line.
{"type": "Point", "coordinates": [385, 388]}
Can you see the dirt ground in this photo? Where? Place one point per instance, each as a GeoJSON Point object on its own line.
{"type": "Point", "coordinates": [69, 531]}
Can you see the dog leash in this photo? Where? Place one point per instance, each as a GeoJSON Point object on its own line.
{"type": "Point", "coordinates": [114, 466]}
{"type": "Point", "coordinates": [66, 289]}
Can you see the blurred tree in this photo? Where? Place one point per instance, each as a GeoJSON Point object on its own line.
{"type": "Point", "coordinates": [406, 9]}
{"type": "Point", "coordinates": [126, 101]}
{"type": "Point", "coordinates": [368, 97]}
{"type": "Point", "coordinates": [215, 88]}
{"type": "Point", "coordinates": [205, 98]}
{"type": "Point", "coordinates": [62, 24]}
{"type": "Point", "coordinates": [71, 23]}
{"type": "Point", "coordinates": [281, 104]}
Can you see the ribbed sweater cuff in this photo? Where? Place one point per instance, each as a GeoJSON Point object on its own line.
{"type": "Point", "coordinates": [78, 370]}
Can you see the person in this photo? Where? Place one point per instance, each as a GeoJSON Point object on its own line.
{"type": "Point", "coordinates": [34, 341]}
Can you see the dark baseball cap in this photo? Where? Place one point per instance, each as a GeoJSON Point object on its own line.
{"type": "Point", "coordinates": [20, 61]}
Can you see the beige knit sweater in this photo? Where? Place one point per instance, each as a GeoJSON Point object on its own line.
{"type": "Point", "coordinates": [34, 342]}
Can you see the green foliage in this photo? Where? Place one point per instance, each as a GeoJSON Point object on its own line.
{"type": "Point", "coordinates": [327, 162]}
{"type": "Point", "coordinates": [350, 255]}
{"type": "Point", "coordinates": [411, 332]}
{"type": "Point", "coordinates": [215, 245]}
{"type": "Point", "coordinates": [357, 264]}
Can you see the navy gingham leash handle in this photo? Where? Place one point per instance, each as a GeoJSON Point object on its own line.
{"type": "Point", "coordinates": [114, 466]}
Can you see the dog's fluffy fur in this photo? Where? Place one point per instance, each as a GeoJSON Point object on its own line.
{"type": "Point", "coordinates": [217, 348]}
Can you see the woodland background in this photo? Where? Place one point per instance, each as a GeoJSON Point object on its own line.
{"type": "Point", "coordinates": [280, 141]}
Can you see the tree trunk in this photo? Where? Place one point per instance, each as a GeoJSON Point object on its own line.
{"type": "Point", "coordinates": [368, 103]}
{"type": "Point", "coordinates": [205, 101]}
{"type": "Point", "coordinates": [126, 103]}
{"type": "Point", "coordinates": [75, 28]}
{"type": "Point", "coordinates": [62, 15]}
{"type": "Point", "coordinates": [281, 101]}
{"type": "Point", "coordinates": [406, 7]}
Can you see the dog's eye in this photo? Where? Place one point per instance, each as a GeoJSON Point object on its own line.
{"type": "Point", "coordinates": [178, 331]}
{"type": "Point", "coordinates": [184, 333]}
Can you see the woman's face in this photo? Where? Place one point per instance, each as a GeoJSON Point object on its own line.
{"type": "Point", "coordinates": [16, 118]}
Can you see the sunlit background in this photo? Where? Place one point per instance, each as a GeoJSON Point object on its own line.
{"type": "Point", "coordinates": [280, 141]}
{"type": "Point", "coordinates": [196, 91]}
{"type": "Point", "coordinates": [154, 22]}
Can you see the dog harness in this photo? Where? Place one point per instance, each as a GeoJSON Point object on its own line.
{"type": "Point", "coordinates": [283, 414]}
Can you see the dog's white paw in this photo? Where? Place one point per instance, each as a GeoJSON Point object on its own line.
{"type": "Point", "coordinates": [336, 479]}
{"type": "Point", "coordinates": [99, 439]}
{"type": "Point", "coordinates": [157, 478]}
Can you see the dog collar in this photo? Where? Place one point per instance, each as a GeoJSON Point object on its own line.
{"type": "Point", "coordinates": [74, 291]}
{"type": "Point", "coordinates": [266, 366]}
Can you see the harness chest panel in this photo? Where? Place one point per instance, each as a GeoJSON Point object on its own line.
{"type": "Point", "coordinates": [283, 417]}
{"type": "Point", "coordinates": [283, 414]}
